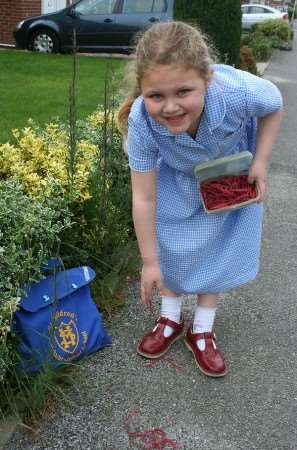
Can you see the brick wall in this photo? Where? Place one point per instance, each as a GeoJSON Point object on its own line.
{"type": "Point", "coordinates": [11, 12]}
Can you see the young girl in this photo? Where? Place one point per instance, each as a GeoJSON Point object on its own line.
{"type": "Point", "coordinates": [183, 110]}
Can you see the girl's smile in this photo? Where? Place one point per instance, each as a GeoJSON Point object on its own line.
{"type": "Point", "coordinates": [174, 97]}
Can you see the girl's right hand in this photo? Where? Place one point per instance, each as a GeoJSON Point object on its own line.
{"type": "Point", "coordinates": [150, 277]}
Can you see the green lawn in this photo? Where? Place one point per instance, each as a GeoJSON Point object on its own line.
{"type": "Point", "coordinates": [36, 86]}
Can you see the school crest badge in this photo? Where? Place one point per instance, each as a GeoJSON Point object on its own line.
{"type": "Point", "coordinates": [67, 336]}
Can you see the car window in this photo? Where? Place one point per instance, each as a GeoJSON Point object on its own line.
{"type": "Point", "coordinates": [90, 7]}
{"type": "Point", "coordinates": [256, 10]}
{"type": "Point", "coordinates": [137, 6]}
{"type": "Point", "coordinates": [244, 9]}
{"type": "Point", "coordinates": [144, 6]}
{"type": "Point", "coordinates": [159, 6]}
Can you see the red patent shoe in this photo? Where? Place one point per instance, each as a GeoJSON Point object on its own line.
{"type": "Point", "coordinates": [155, 344]}
{"type": "Point", "coordinates": [210, 360]}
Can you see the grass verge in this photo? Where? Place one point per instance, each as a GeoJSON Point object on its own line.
{"type": "Point", "coordinates": [36, 86]}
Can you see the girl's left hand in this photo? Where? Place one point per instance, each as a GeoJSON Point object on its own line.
{"type": "Point", "coordinates": [258, 174]}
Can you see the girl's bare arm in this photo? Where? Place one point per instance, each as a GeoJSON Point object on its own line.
{"type": "Point", "coordinates": [144, 216]}
{"type": "Point", "coordinates": [266, 134]}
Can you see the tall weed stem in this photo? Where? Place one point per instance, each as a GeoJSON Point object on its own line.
{"type": "Point", "coordinates": [72, 154]}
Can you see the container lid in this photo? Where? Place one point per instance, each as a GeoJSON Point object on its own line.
{"type": "Point", "coordinates": [228, 165]}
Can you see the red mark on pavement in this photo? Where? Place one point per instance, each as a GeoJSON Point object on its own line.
{"type": "Point", "coordinates": [154, 439]}
{"type": "Point", "coordinates": [170, 361]}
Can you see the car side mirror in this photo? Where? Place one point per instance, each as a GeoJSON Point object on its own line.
{"type": "Point", "coordinates": [71, 12]}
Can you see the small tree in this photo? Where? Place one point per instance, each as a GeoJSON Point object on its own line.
{"type": "Point", "coordinates": [220, 20]}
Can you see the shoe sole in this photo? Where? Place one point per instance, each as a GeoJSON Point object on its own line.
{"type": "Point", "coordinates": [147, 355]}
{"type": "Point", "coordinates": [209, 374]}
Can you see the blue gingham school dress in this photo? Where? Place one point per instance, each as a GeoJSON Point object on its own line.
{"type": "Point", "coordinates": [198, 252]}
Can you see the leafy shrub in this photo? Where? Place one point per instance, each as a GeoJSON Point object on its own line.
{"type": "Point", "coordinates": [39, 156]}
{"type": "Point", "coordinates": [262, 48]}
{"type": "Point", "coordinates": [101, 233]}
{"type": "Point", "coordinates": [290, 12]}
{"type": "Point", "coordinates": [278, 30]}
{"type": "Point", "coordinates": [265, 36]}
{"type": "Point", "coordinates": [220, 20]}
{"type": "Point", "coordinates": [245, 39]}
{"type": "Point", "coordinates": [247, 60]}
{"type": "Point", "coordinates": [260, 44]}
{"type": "Point", "coordinates": [29, 235]}
{"type": "Point", "coordinates": [36, 218]}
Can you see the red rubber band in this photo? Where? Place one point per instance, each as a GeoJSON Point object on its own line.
{"type": "Point", "coordinates": [227, 191]}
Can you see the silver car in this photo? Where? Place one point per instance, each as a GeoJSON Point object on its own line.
{"type": "Point", "coordinates": [254, 13]}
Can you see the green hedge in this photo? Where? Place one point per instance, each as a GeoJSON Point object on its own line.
{"type": "Point", "coordinates": [290, 11]}
{"type": "Point", "coordinates": [266, 36]}
{"type": "Point", "coordinates": [276, 29]}
{"type": "Point", "coordinates": [220, 20]}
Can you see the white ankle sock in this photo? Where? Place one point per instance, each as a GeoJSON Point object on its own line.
{"type": "Point", "coordinates": [203, 322]}
{"type": "Point", "coordinates": [171, 308]}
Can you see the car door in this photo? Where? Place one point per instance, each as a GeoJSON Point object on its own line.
{"type": "Point", "coordinates": [137, 15]}
{"type": "Point", "coordinates": [259, 14]}
{"type": "Point", "coordinates": [96, 23]}
{"type": "Point", "coordinates": [246, 17]}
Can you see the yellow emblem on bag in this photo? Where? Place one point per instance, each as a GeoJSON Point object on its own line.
{"type": "Point", "coordinates": [67, 336]}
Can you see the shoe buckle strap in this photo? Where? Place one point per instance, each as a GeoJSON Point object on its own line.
{"type": "Point", "coordinates": [166, 321]}
{"type": "Point", "coordinates": [210, 335]}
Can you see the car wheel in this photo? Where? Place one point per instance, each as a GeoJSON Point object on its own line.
{"type": "Point", "coordinates": [44, 41]}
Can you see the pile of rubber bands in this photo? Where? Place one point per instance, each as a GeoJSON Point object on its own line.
{"type": "Point", "coordinates": [154, 439]}
{"type": "Point", "coordinates": [227, 191]}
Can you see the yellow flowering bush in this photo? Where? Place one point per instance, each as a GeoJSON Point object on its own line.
{"type": "Point", "coordinates": [94, 179]}
{"type": "Point", "coordinates": [39, 156]}
{"type": "Point", "coordinates": [96, 119]}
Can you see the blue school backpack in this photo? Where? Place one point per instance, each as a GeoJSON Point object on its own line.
{"type": "Point", "coordinates": [57, 321]}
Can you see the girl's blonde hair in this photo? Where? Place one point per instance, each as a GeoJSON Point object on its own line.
{"type": "Point", "coordinates": [164, 43]}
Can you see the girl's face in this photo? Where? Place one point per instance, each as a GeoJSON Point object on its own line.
{"type": "Point", "coordinates": [174, 97]}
